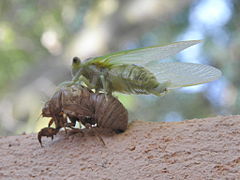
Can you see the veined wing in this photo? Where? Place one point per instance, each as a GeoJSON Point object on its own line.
{"type": "Point", "coordinates": [145, 55]}
{"type": "Point", "coordinates": [184, 74]}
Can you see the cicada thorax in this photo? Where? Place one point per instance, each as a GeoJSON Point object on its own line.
{"type": "Point", "coordinates": [76, 102]}
{"type": "Point", "coordinates": [55, 103]}
{"type": "Point", "coordinates": [132, 79]}
{"type": "Point", "coordinates": [93, 72]}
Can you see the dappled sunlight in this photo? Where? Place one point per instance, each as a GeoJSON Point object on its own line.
{"type": "Point", "coordinates": [50, 41]}
{"type": "Point", "coordinates": [39, 39]}
{"type": "Point", "coordinates": [89, 42]}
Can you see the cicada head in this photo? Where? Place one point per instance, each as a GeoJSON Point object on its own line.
{"type": "Point", "coordinates": [46, 110]}
{"type": "Point", "coordinates": [76, 65]}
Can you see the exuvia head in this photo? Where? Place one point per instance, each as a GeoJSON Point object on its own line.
{"type": "Point", "coordinates": [46, 110]}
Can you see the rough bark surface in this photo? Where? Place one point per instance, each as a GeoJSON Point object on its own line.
{"type": "Point", "coordinates": [192, 149]}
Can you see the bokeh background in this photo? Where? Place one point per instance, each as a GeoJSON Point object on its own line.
{"type": "Point", "coordinates": [39, 38]}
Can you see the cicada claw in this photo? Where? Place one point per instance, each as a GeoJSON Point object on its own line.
{"type": "Point", "coordinates": [48, 132]}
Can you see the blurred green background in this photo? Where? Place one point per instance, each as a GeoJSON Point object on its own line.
{"type": "Point", "coordinates": [39, 38]}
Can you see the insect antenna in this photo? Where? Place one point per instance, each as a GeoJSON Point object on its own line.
{"type": "Point", "coordinates": [39, 117]}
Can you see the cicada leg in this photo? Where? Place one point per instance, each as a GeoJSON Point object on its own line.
{"type": "Point", "coordinates": [79, 79]}
{"type": "Point", "coordinates": [75, 131]}
{"type": "Point", "coordinates": [94, 83]}
{"type": "Point", "coordinates": [84, 80]}
{"type": "Point", "coordinates": [64, 84]}
{"type": "Point", "coordinates": [48, 132]}
{"type": "Point", "coordinates": [105, 85]}
{"type": "Point", "coordinates": [70, 125]}
{"type": "Point", "coordinates": [76, 77]}
{"type": "Point", "coordinates": [50, 122]}
{"type": "Point", "coordinates": [89, 126]}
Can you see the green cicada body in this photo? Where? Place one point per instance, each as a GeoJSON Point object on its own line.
{"type": "Point", "coordinates": [133, 79]}
{"type": "Point", "coordinates": [132, 71]}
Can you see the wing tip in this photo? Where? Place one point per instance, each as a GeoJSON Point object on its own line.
{"type": "Point", "coordinates": [218, 73]}
{"type": "Point", "coordinates": [210, 74]}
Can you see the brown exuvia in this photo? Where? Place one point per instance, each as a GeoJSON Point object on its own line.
{"type": "Point", "coordinates": [80, 104]}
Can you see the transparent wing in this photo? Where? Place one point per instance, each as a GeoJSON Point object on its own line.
{"type": "Point", "coordinates": [184, 74]}
{"type": "Point", "coordinates": [145, 55]}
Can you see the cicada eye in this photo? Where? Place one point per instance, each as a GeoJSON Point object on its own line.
{"type": "Point", "coordinates": [76, 60]}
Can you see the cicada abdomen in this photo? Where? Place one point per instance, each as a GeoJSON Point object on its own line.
{"type": "Point", "coordinates": [81, 104]}
{"type": "Point", "coordinates": [132, 79]}
{"type": "Point", "coordinates": [109, 113]}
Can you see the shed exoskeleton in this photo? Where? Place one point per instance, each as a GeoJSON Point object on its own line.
{"type": "Point", "coordinates": [78, 103]}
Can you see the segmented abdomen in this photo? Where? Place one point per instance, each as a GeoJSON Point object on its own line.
{"type": "Point", "coordinates": [78, 102]}
{"type": "Point", "coordinates": [109, 113]}
{"type": "Point", "coordinates": [132, 79]}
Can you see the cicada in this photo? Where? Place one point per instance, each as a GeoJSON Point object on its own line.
{"type": "Point", "coordinates": [135, 71]}
{"type": "Point", "coordinates": [79, 104]}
